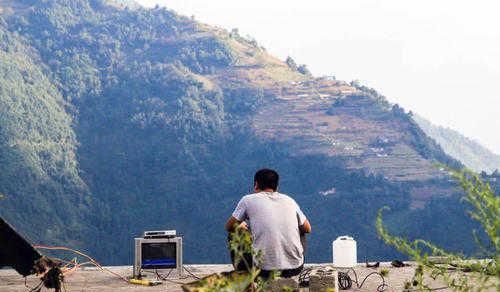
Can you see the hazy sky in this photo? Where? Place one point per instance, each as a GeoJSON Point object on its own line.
{"type": "Point", "coordinates": [440, 59]}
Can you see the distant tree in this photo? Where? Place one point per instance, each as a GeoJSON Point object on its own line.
{"type": "Point", "coordinates": [355, 83]}
{"type": "Point", "coordinates": [304, 70]}
{"type": "Point", "coordinates": [252, 41]}
{"type": "Point", "coordinates": [291, 63]}
{"type": "Point", "coordinates": [396, 109]}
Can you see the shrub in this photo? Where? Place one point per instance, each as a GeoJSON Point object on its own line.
{"type": "Point", "coordinates": [467, 274]}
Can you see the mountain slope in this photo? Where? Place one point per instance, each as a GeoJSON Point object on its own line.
{"type": "Point", "coordinates": [170, 118]}
{"type": "Point", "coordinates": [37, 149]}
{"type": "Point", "coordinates": [470, 152]}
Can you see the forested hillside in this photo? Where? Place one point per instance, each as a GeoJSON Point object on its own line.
{"type": "Point", "coordinates": [470, 152]}
{"type": "Point", "coordinates": [38, 167]}
{"type": "Point", "coordinates": [116, 119]}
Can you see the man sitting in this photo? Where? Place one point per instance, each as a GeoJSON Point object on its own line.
{"type": "Point", "coordinates": [275, 222]}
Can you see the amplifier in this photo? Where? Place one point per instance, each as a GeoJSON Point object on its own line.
{"type": "Point", "coordinates": [160, 234]}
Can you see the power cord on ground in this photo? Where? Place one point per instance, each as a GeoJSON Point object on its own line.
{"type": "Point", "coordinates": [382, 287]}
{"type": "Point", "coordinates": [166, 278]}
{"type": "Point", "coordinates": [191, 273]}
{"type": "Point", "coordinates": [67, 269]}
{"type": "Point", "coordinates": [344, 280]}
{"type": "Point", "coordinates": [91, 260]}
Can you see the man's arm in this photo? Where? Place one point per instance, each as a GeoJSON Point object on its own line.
{"type": "Point", "coordinates": [238, 217]}
{"type": "Point", "coordinates": [231, 223]}
{"type": "Point", "coordinates": [306, 227]}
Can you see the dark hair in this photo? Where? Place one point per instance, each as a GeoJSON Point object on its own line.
{"type": "Point", "coordinates": [266, 178]}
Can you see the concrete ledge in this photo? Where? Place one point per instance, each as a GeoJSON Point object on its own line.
{"type": "Point", "coordinates": [93, 279]}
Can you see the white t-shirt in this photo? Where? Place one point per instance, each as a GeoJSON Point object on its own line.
{"type": "Point", "coordinates": [274, 221]}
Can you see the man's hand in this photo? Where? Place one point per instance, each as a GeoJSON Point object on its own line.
{"type": "Point", "coordinates": [243, 225]}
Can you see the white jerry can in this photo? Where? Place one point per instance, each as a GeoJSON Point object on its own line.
{"type": "Point", "coordinates": [344, 252]}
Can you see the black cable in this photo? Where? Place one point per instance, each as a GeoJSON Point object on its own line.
{"type": "Point", "coordinates": [158, 276]}
{"type": "Point", "coordinates": [165, 278]}
{"type": "Point", "coordinates": [380, 288]}
{"type": "Point", "coordinates": [345, 281]}
{"type": "Point", "coordinates": [304, 277]}
{"type": "Point", "coordinates": [191, 273]}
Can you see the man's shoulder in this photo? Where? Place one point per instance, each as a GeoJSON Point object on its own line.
{"type": "Point", "coordinates": [276, 196]}
{"type": "Point", "coordinates": [261, 195]}
{"type": "Point", "coordinates": [248, 197]}
{"type": "Point", "coordinates": [286, 197]}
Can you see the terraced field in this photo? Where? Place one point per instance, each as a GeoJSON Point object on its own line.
{"type": "Point", "coordinates": [316, 117]}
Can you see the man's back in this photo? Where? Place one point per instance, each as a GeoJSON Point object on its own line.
{"type": "Point", "coordinates": [274, 221]}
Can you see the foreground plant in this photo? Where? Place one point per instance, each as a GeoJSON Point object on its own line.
{"type": "Point", "coordinates": [467, 274]}
{"type": "Point", "coordinates": [241, 245]}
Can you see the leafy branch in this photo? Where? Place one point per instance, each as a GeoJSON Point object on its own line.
{"type": "Point", "coordinates": [459, 273]}
{"type": "Point", "coordinates": [241, 245]}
